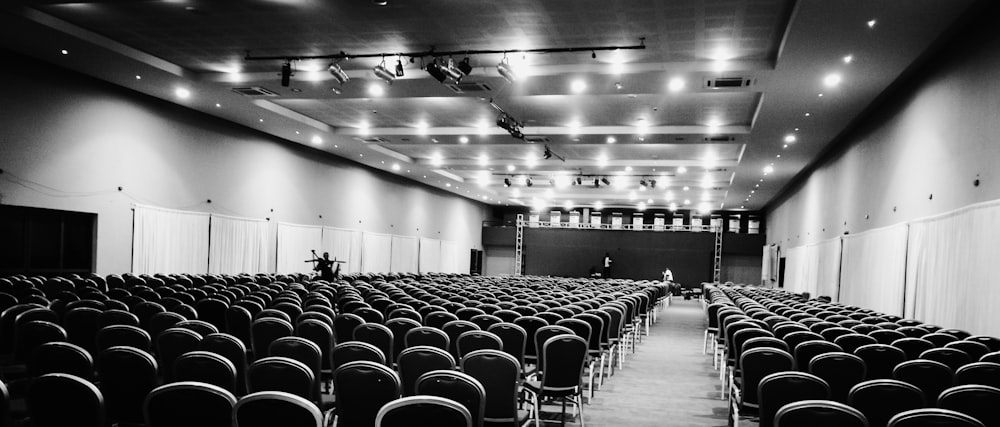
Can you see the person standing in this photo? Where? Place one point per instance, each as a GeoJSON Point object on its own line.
{"type": "Point", "coordinates": [325, 266]}
{"type": "Point", "coordinates": [668, 276]}
{"type": "Point", "coordinates": [607, 265]}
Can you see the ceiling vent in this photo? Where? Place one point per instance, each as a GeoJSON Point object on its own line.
{"type": "Point", "coordinates": [719, 138]}
{"type": "Point", "coordinates": [536, 139]}
{"type": "Point", "coordinates": [254, 91]}
{"type": "Point", "coordinates": [728, 82]}
{"type": "Point", "coordinates": [469, 87]}
{"type": "Point", "coordinates": [375, 140]}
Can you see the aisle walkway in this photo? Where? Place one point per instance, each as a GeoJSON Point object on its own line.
{"type": "Point", "coordinates": [667, 382]}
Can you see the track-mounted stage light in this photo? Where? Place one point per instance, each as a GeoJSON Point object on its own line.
{"type": "Point", "coordinates": [465, 67]}
{"type": "Point", "coordinates": [286, 74]}
{"type": "Point", "coordinates": [453, 71]}
{"type": "Point", "coordinates": [338, 73]}
{"type": "Point", "coordinates": [642, 183]}
{"type": "Point", "coordinates": [652, 183]}
{"type": "Point", "coordinates": [383, 73]}
{"type": "Point", "coordinates": [506, 71]}
{"type": "Point", "coordinates": [435, 71]}
{"type": "Point", "coordinates": [547, 154]}
{"type": "Point", "coordinates": [506, 182]}
{"type": "Point", "coordinates": [399, 67]}
{"type": "Point", "coordinates": [579, 180]}
{"type": "Point", "coordinates": [597, 183]}
{"type": "Point", "coordinates": [605, 181]}
{"type": "Point", "coordinates": [527, 181]}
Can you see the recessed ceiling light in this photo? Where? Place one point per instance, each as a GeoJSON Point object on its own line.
{"type": "Point", "coordinates": [628, 168]}
{"type": "Point", "coordinates": [675, 84]}
{"type": "Point", "coordinates": [808, 114]}
{"type": "Point", "coordinates": [618, 85]}
{"type": "Point", "coordinates": [376, 89]}
{"type": "Point", "coordinates": [686, 188]}
{"type": "Point", "coordinates": [848, 59]}
{"type": "Point", "coordinates": [650, 201]}
{"type": "Point", "coordinates": [64, 52]}
{"type": "Point", "coordinates": [784, 146]}
{"type": "Point", "coordinates": [138, 77]}
{"type": "Point", "coordinates": [832, 80]}
{"type": "Point", "coordinates": [260, 120]}
{"type": "Point", "coordinates": [682, 169]}
{"type": "Point", "coordinates": [768, 169]}
{"type": "Point", "coordinates": [511, 168]}
{"type": "Point", "coordinates": [317, 140]}
{"type": "Point", "coordinates": [218, 105]}
{"type": "Point", "coordinates": [395, 166]}
{"type": "Point", "coordinates": [790, 138]}
{"type": "Point", "coordinates": [687, 201]}
{"type": "Point", "coordinates": [611, 140]}
{"type": "Point", "coordinates": [820, 95]}
{"type": "Point", "coordinates": [871, 23]}
{"type": "Point", "coordinates": [463, 139]}
{"type": "Point", "coordinates": [578, 86]}
{"type": "Point", "coordinates": [447, 184]}
{"type": "Point", "coordinates": [298, 133]}
{"type": "Point", "coordinates": [182, 93]}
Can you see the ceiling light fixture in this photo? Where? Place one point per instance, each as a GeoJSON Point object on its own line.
{"type": "Point", "coordinates": [338, 73]}
{"type": "Point", "coordinates": [435, 71]}
{"type": "Point", "coordinates": [790, 138]}
{"type": "Point", "coordinates": [548, 154]}
{"type": "Point", "coordinates": [527, 181]}
{"type": "Point", "coordinates": [675, 84]}
{"type": "Point", "coordinates": [605, 181]}
{"type": "Point", "coordinates": [399, 67]}
{"type": "Point", "coordinates": [506, 71]}
{"type": "Point", "coordinates": [506, 182]}
{"type": "Point", "coordinates": [464, 66]}
{"type": "Point", "coordinates": [383, 73]}
{"type": "Point", "coordinates": [452, 71]}
{"type": "Point", "coordinates": [831, 80]}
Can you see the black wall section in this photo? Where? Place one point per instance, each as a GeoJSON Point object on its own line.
{"type": "Point", "coordinates": [636, 255]}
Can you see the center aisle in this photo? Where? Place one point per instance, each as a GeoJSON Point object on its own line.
{"type": "Point", "coordinates": [667, 382]}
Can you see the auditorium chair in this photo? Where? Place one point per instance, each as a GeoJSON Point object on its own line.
{"type": "Point", "coordinates": [957, 333]}
{"type": "Point", "coordinates": [841, 371]}
{"type": "Point", "coordinates": [781, 388]}
{"type": "Point", "coordinates": [819, 413]}
{"type": "Point", "coordinates": [929, 376]}
{"type": "Point", "coordinates": [126, 376]}
{"type": "Point", "coordinates": [757, 364]}
{"type": "Point", "coordinates": [61, 358]}
{"type": "Point", "coordinates": [806, 351]}
{"type": "Point", "coordinates": [275, 408]}
{"type": "Point", "coordinates": [975, 350]}
{"type": "Point", "coordinates": [880, 359]}
{"type": "Point", "coordinates": [470, 341]}
{"type": "Point", "coordinates": [531, 325]}
{"type": "Point", "coordinates": [377, 335]}
{"type": "Point", "coordinates": [206, 367]}
{"type": "Point", "coordinates": [276, 373]}
{"type": "Point", "coordinates": [189, 404]}
{"type": "Point", "coordinates": [423, 411]}
{"type": "Point", "coordinates": [853, 341]}
{"type": "Point", "coordinates": [886, 336]}
{"type": "Point", "coordinates": [145, 310]}
{"type": "Point", "coordinates": [513, 338]}
{"type": "Point", "coordinates": [933, 417]}
{"type": "Point", "coordinates": [427, 336]}
{"type": "Point", "coordinates": [457, 386]}
{"type": "Point", "coordinates": [978, 401]}
{"type": "Point", "coordinates": [266, 330]}
{"type": "Point", "coordinates": [952, 357]}
{"type": "Point", "coordinates": [563, 357]}
{"type": "Point", "coordinates": [416, 361]}
{"type": "Point", "coordinates": [123, 335]}
{"type": "Point", "coordinates": [362, 388]}
{"type": "Point", "coordinates": [992, 343]}
{"type": "Point", "coordinates": [881, 399]}
{"type": "Point", "coordinates": [455, 328]}
{"type": "Point", "coordinates": [234, 351]}
{"type": "Point", "coordinates": [214, 311]}
{"type": "Point", "coordinates": [499, 373]}
{"type": "Point", "coordinates": [305, 352]}
{"type": "Point", "coordinates": [171, 344]}
{"type": "Point", "coordinates": [201, 327]}
{"type": "Point", "coordinates": [343, 327]}
{"type": "Point", "coordinates": [369, 315]}
{"type": "Point", "coordinates": [913, 331]}
{"type": "Point", "coordinates": [81, 327]}
{"type": "Point", "coordinates": [117, 317]}
{"type": "Point", "coordinates": [79, 402]}
{"type": "Point", "coordinates": [913, 347]}
{"type": "Point", "coordinates": [32, 334]}
{"type": "Point", "coordinates": [982, 373]}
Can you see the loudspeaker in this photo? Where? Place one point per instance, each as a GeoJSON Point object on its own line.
{"type": "Point", "coordinates": [476, 261]}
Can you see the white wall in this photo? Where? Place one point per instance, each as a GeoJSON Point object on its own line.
{"type": "Point", "coordinates": [68, 142]}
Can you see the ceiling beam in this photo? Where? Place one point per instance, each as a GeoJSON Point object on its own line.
{"type": "Point", "coordinates": [548, 130]}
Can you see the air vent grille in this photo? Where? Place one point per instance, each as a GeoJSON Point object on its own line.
{"type": "Point", "coordinates": [469, 87]}
{"type": "Point", "coordinates": [254, 91]}
{"type": "Point", "coordinates": [536, 139]}
{"type": "Point", "coordinates": [720, 138]}
{"type": "Point", "coordinates": [375, 140]}
{"type": "Point", "coordinates": [729, 82]}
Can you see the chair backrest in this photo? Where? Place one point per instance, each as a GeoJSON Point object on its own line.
{"type": "Point", "coordinates": [992, 343]}
{"type": "Point", "coordinates": [806, 351]}
{"type": "Point", "coordinates": [188, 404]}
{"type": "Point", "coordinates": [933, 417]}
{"type": "Point", "coordinates": [343, 326]}
{"type": "Point", "coordinates": [484, 321]}
{"type": "Point", "coordinates": [171, 344]}
{"type": "Point", "coordinates": [886, 336]}
{"type": "Point", "coordinates": [399, 328]}
{"type": "Point", "coordinates": [206, 367]}
{"type": "Point", "coordinates": [126, 375]}
{"type": "Point", "coordinates": [982, 373]}
{"type": "Point", "coordinates": [456, 386]}
{"type": "Point", "coordinates": [499, 373]}
{"type": "Point", "coordinates": [277, 373]}
{"type": "Point", "coordinates": [455, 328]}
{"type": "Point", "coordinates": [514, 339]}
{"type": "Point", "coordinates": [841, 371]}
{"type": "Point", "coordinates": [952, 357]}
{"type": "Point", "coordinates": [33, 333]}
{"type": "Point", "coordinates": [853, 341]}
{"type": "Point", "coordinates": [353, 351]}
{"type": "Point", "coordinates": [912, 346]}
{"type": "Point", "coordinates": [470, 341]}
{"type": "Point", "coordinates": [530, 324]}
{"type": "Point", "coordinates": [929, 376]}
{"type": "Point", "coordinates": [232, 349]}
{"type": "Point", "coordinates": [819, 413]}
{"type": "Point", "coordinates": [405, 411]}
{"type": "Point", "coordinates": [880, 399]}
{"type": "Point", "coordinates": [61, 358]}
{"type": "Point", "coordinates": [302, 350]}
{"type": "Point", "coordinates": [564, 357]}
{"type": "Point", "coordinates": [266, 330]}
{"type": "Point", "coordinates": [880, 359]}
{"type": "Point", "coordinates": [117, 317]}
{"type": "Point", "coordinates": [275, 408]}
{"type": "Point", "coordinates": [977, 401]}
{"type": "Point", "coordinates": [79, 402]}
{"type": "Point", "coordinates": [974, 349]}
{"type": "Point", "coordinates": [939, 339]}
{"type": "Point", "coordinates": [377, 335]}
{"type": "Point", "coordinates": [145, 311]}
{"type": "Point", "coordinates": [416, 361]}
{"type": "Point", "coordinates": [238, 320]}
{"type": "Point", "coordinates": [81, 327]}
{"type": "Point", "coordinates": [123, 335]}
{"type": "Point", "coordinates": [438, 319]}
{"type": "Point", "coordinates": [427, 336]}
{"type": "Point", "coordinates": [362, 388]}
{"type": "Point", "coordinates": [542, 335]}
{"type": "Point", "coordinates": [758, 363]}
{"type": "Point", "coordinates": [779, 389]}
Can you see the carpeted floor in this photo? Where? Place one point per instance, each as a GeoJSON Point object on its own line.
{"type": "Point", "coordinates": [667, 382]}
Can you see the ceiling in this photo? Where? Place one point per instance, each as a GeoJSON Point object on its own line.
{"type": "Point", "coordinates": [611, 114]}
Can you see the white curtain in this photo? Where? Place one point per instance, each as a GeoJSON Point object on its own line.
{"type": "Point", "coordinates": [237, 245]}
{"type": "Point", "coordinates": [169, 241]}
{"type": "Point", "coordinates": [405, 254]}
{"type": "Point", "coordinates": [814, 268]}
{"type": "Point", "coordinates": [430, 255]}
{"type": "Point", "coordinates": [295, 243]}
{"type": "Point", "coordinates": [950, 275]}
{"type": "Point", "coordinates": [376, 251]}
{"type": "Point", "coordinates": [343, 245]}
{"type": "Point", "coordinates": [449, 257]}
{"type": "Point", "coordinates": [873, 269]}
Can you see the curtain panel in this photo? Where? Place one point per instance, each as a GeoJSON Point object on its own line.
{"type": "Point", "coordinates": [405, 254]}
{"type": "Point", "coordinates": [237, 245]}
{"type": "Point", "coordinates": [169, 241]}
{"type": "Point", "coordinates": [376, 252]}
{"type": "Point", "coordinates": [343, 245]}
{"type": "Point", "coordinates": [814, 268]}
{"type": "Point", "coordinates": [295, 245]}
{"type": "Point", "coordinates": [873, 269]}
{"type": "Point", "coordinates": [430, 255]}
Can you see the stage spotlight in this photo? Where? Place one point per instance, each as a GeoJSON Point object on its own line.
{"type": "Point", "coordinates": [652, 183]}
{"type": "Point", "coordinates": [579, 181]}
{"type": "Point", "coordinates": [506, 182]}
{"type": "Point", "coordinates": [399, 68]}
{"type": "Point", "coordinates": [605, 181]}
{"type": "Point", "coordinates": [506, 71]}
{"type": "Point", "coordinates": [453, 71]}
{"type": "Point", "coordinates": [547, 154]}
{"type": "Point", "coordinates": [436, 72]}
{"type": "Point", "coordinates": [642, 183]}
{"type": "Point", "coordinates": [286, 74]}
{"type": "Point", "coordinates": [527, 181]}
{"type": "Point", "coordinates": [383, 73]}
{"type": "Point", "coordinates": [465, 67]}
{"type": "Point", "coordinates": [597, 183]}
{"type": "Point", "coordinates": [338, 73]}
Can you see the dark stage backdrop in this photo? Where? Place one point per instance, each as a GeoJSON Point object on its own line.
{"type": "Point", "coordinates": [636, 254]}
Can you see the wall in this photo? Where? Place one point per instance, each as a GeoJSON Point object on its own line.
{"type": "Point", "coordinates": [69, 141]}
{"type": "Point", "coordinates": [918, 154]}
